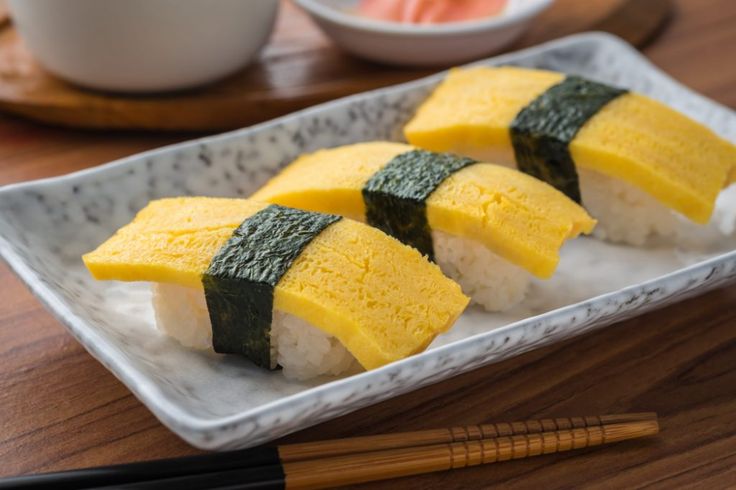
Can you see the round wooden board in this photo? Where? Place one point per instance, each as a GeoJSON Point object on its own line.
{"type": "Point", "coordinates": [4, 14]}
{"type": "Point", "coordinates": [300, 67]}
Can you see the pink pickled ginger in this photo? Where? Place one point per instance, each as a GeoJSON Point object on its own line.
{"type": "Point", "coordinates": [430, 11]}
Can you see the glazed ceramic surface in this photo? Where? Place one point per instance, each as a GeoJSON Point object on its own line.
{"type": "Point", "coordinates": [421, 45]}
{"type": "Point", "coordinates": [143, 45]}
{"type": "Point", "coordinates": [221, 402]}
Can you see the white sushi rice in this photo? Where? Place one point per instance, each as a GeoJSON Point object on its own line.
{"type": "Point", "coordinates": [302, 350]}
{"type": "Point", "coordinates": [626, 213]}
{"type": "Point", "coordinates": [181, 313]}
{"type": "Point", "coordinates": [489, 280]}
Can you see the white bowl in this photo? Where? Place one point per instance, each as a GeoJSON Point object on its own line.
{"type": "Point", "coordinates": [421, 45]}
{"type": "Point", "coordinates": [143, 45]}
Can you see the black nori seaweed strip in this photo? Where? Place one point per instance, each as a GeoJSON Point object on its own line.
{"type": "Point", "coordinates": [241, 278]}
{"type": "Point", "coordinates": [395, 195]}
{"type": "Point", "coordinates": [542, 131]}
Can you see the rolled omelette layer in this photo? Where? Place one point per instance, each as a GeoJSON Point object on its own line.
{"type": "Point", "coordinates": [522, 219]}
{"type": "Point", "coordinates": [516, 115]}
{"type": "Point", "coordinates": [381, 299]}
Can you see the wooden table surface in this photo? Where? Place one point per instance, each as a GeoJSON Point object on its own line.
{"type": "Point", "coordinates": [61, 409]}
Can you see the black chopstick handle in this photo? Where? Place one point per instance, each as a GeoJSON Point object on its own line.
{"type": "Point", "coordinates": [149, 470]}
{"type": "Point", "coordinates": [258, 478]}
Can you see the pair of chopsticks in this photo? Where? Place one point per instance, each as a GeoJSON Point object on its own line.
{"type": "Point", "coordinates": [339, 462]}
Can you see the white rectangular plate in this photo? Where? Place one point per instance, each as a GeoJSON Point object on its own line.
{"type": "Point", "coordinates": [221, 402]}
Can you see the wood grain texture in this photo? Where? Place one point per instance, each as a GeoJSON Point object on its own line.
{"type": "Point", "coordinates": [299, 68]}
{"type": "Point", "coordinates": [61, 409]}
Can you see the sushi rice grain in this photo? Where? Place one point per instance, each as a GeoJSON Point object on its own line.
{"type": "Point", "coordinates": [301, 350]}
{"type": "Point", "coordinates": [491, 281]}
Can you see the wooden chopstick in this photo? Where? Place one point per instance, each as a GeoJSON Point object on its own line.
{"type": "Point", "coordinates": [336, 447]}
{"type": "Point", "coordinates": [393, 463]}
{"type": "Point", "coordinates": [265, 457]}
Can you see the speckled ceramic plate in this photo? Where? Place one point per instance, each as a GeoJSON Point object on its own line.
{"type": "Point", "coordinates": [223, 402]}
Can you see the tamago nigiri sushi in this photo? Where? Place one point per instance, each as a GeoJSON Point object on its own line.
{"type": "Point", "coordinates": [488, 227]}
{"type": "Point", "coordinates": [306, 291]}
{"type": "Point", "coordinates": [633, 163]}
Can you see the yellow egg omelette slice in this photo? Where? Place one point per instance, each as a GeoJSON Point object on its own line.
{"type": "Point", "coordinates": [521, 219]}
{"type": "Point", "coordinates": [679, 162]}
{"type": "Point", "coordinates": [381, 299]}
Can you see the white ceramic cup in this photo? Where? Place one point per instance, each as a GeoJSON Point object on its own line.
{"type": "Point", "coordinates": [143, 45]}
